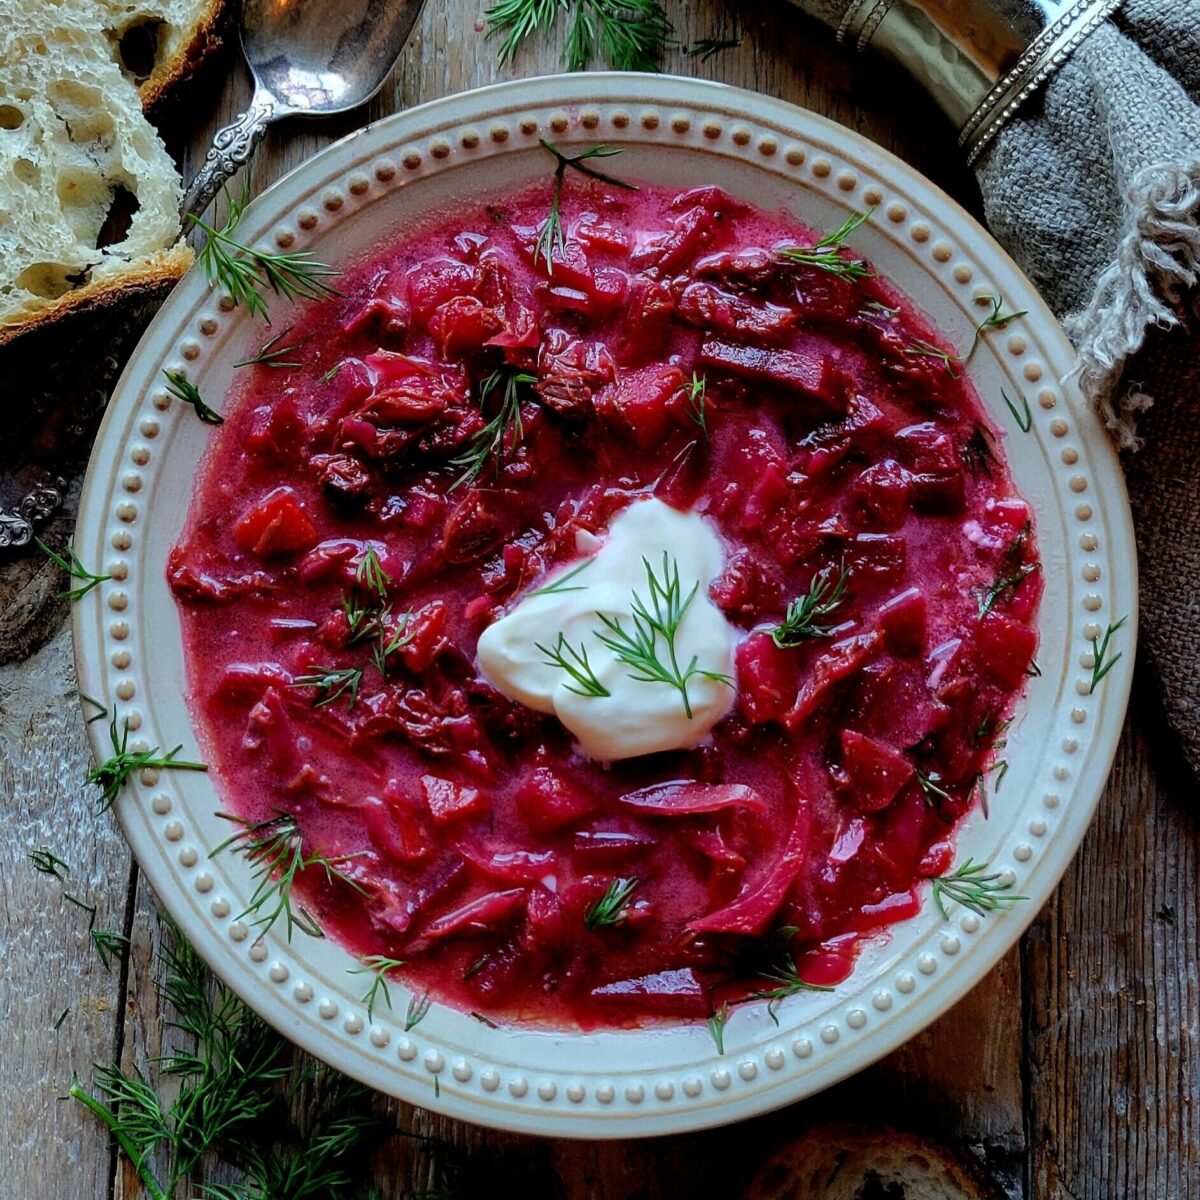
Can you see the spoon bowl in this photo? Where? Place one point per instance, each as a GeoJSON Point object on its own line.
{"type": "Point", "coordinates": [311, 58]}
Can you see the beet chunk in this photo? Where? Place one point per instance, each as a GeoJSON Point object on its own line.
{"type": "Point", "coordinates": [277, 525]}
{"type": "Point", "coordinates": [876, 771]}
{"type": "Point", "coordinates": [641, 405]}
{"type": "Point", "coordinates": [813, 376]}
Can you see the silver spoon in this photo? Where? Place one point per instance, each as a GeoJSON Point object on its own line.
{"type": "Point", "coordinates": [309, 58]}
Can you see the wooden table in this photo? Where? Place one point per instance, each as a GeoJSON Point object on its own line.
{"type": "Point", "coordinates": [1072, 1070]}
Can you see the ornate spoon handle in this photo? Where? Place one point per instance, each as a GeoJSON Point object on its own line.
{"type": "Point", "coordinates": [231, 149]}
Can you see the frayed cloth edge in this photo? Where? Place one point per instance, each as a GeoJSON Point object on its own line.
{"type": "Point", "coordinates": [1157, 260]}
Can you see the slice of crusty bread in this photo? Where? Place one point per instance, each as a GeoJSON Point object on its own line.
{"type": "Point", "coordinates": [843, 1162]}
{"type": "Point", "coordinates": [159, 43]}
{"type": "Point", "coordinates": [89, 197]}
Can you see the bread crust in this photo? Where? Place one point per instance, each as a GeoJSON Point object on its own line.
{"type": "Point", "coordinates": [207, 37]}
{"type": "Point", "coordinates": [831, 1162]}
{"type": "Point", "coordinates": [153, 278]}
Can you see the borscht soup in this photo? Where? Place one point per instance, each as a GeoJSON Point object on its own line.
{"type": "Point", "coordinates": [606, 607]}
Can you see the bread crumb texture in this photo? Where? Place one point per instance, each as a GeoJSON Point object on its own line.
{"type": "Point", "coordinates": [846, 1162]}
{"type": "Point", "coordinates": [89, 197]}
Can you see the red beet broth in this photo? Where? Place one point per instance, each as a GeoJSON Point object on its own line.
{"type": "Point", "coordinates": [480, 840]}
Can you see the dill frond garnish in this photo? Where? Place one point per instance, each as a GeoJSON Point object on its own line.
{"type": "Point", "coordinates": [975, 887]}
{"type": "Point", "coordinates": [551, 237]}
{"type": "Point", "coordinates": [247, 273]}
{"type": "Point", "coordinates": [638, 647]}
{"type": "Point", "coordinates": [1023, 415]}
{"type": "Point", "coordinates": [826, 254]}
{"type": "Point", "coordinates": [182, 388]}
{"type": "Point", "coordinates": [630, 35]}
{"type": "Point", "coordinates": [613, 907]}
{"type": "Point", "coordinates": [697, 403]}
{"type": "Point", "coordinates": [996, 319]}
{"type": "Point", "coordinates": [558, 586]}
{"type": "Point", "coordinates": [1013, 572]}
{"type": "Point", "coordinates": [275, 850]}
{"type": "Point", "coordinates": [332, 683]}
{"type": "Point", "coordinates": [575, 663]}
{"type": "Point", "coordinates": [75, 570]}
{"type": "Point", "coordinates": [379, 967]}
{"type": "Point", "coordinates": [823, 597]}
{"type": "Point", "coordinates": [1101, 663]}
{"type": "Point", "coordinates": [716, 1027]}
{"type": "Point", "coordinates": [273, 354]}
{"type": "Point", "coordinates": [492, 444]}
{"type": "Point", "coordinates": [111, 775]}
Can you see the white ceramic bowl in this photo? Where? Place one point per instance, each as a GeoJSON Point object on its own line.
{"type": "Point", "coordinates": [680, 133]}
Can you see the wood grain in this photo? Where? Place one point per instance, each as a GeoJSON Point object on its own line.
{"type": "Point", "coordinates": [1071, 1071]}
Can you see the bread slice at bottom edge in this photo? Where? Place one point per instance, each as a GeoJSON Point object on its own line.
{"type": "Point", "coordinates": [845, 1162]}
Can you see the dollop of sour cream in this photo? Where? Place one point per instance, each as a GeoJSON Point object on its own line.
{"type": "Point", "coordinates": [636, 716]}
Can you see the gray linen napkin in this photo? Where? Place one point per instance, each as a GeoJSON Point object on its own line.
{"type": "Point", "coordinates": [1094, 188]}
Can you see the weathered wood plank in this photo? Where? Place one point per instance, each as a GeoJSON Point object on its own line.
{"type": "Point", "coordinates": [1113, 1032]}
{"type": "Point", "coordinates": [49, 965]}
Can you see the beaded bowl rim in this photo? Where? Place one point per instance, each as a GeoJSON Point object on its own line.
{"type": "Point", "coordinates": [653, 1080]}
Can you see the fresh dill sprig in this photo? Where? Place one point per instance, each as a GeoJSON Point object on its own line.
{"type": "Point", "coordinates": [558, 586]}
{"type": "Point", "coordinates": [1013, 572]}
{"type": "Point", "coordinates": [630, 35]}
{"type": "Point", "coordinates": [697, 403]}
{"type": "Point", "coordinates": [638, 648]}
{"type": "Point", "coordinates": [996, 319]}
{"type": "Point", "coordinates": [776, 967]}
{"type": "Point", "coordinates": [923, 349]}
{"type": "Point", "coordinates": [575, 663]}
{"type": "Point", "coordinates": [62, 1016]}
{"type": "Point", "coordinates": [551, 237]}
{"type": "Point", "coordinates": [75, 570]}
{"type": "Point", "coordinates": [275, 850]}
{"type": "Point", "coordinates": [716, 1027]}
{"type": "Point", "coordinates": [331, 373]}
{"type": "Point", "coordinates": [387, 644]}
{"type": "Point", "coordinates": [485, 1020]}
{"type": "Point", "coordinates": [246, 272]}
{"type": "Point", "coordinates": [974, 887]}
{"type": "Point", "coordinates": [370, 575]}
{"type": "Point", "coordinates": [1101, 663]}
{"type": "Point", "coordinates": [227, 1074]}
{"type": "Point", "coordinates": [111, 775]}
{"type": "Point", "coordinates": [109, 946]}
{"type": "Point", "coordinates": [613, 907]}
{"type": "Point", "coordinates": [1023, 415]}
{"type": "Point", "coordinates": [90, 909]}
{"type": "Point", "coordinates": [930, 783]}
{"type": "Point", "coordinates": [503, 433]}
{"type": "Point", "coordinates": [332, 683]}
{"type": "Point", "coordinates": [418, 1006]}
{"type": "Point", "coordinates": [48, 863]}
{"type": "Point", "coordinates": [990, 731]}
{"type": "Point", "coordinates": [824, 596]}
{"type": "Point", "coordinates": [378, 966]}
{"type": "Point", "coordinates": [100, 713]}
{"type": "Point", "coordinates": [826, 254]}
{"type": "Point", "coordinates": [706, 48]}
{"type": "Point", "coordinates": [273, 354]}
{"type": "Point", "coordinates": [877, 308]}
{"type": "Point", "coordinates": [182, 388]}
